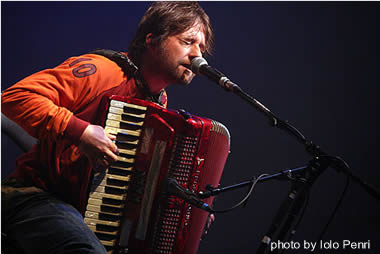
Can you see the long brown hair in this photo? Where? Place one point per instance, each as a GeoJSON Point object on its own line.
{"type": "Point", "coordinates": [164, 19]}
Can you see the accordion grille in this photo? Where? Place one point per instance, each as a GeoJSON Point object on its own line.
{"type": "Point", "coordinates": [180, 168]}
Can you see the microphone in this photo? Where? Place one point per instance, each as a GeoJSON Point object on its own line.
{"type": "Point", "coordinates": [199, 65]}
{"type": "Point", "coordinates": [175, 189]}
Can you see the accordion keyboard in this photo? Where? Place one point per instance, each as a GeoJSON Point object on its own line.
{"type": "Point", "coordinates": [109, 189]}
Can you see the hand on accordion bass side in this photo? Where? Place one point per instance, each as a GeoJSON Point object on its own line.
{"type": "Point", "coordinates": [98, 147]}
{"type": "Point", "coordinates": [210, 220]}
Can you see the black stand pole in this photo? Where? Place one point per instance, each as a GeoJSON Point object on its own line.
{"type": "Point", "coordinates": [284, 174]}
{"type": "Point", "coordinates": [284, 225]}
{"type": "Point", "coordinates": [313, 149]}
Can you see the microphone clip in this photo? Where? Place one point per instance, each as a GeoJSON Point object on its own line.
{"type": "Point", "coordinates": [175, 189]}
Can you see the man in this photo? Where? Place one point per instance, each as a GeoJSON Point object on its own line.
{"type": "Point", "coordinates": [44, 196]}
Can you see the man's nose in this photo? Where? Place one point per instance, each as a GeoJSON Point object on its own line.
{"type": "Point", "coordinates": [195, 51]}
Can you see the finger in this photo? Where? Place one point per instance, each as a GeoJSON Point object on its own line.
{"type": "Point", "coordinates": [111, 136]}
{"type": "Point", "coordinates": [115, 149]}
{"type": "Point", "coordinates": [110, 156]}
{"type": "Point", "coordinates": [108, 159]}
{"type": "Point", "coordinates": [112, 146]}
{"type": "Point", "coordinates": [210, 220]}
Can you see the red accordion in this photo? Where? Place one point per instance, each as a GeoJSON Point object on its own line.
{"type": "Point", "coordinates": [127, 207]}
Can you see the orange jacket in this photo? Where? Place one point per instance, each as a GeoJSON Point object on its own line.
{"type": "Point", "coordinates": [55, 106]}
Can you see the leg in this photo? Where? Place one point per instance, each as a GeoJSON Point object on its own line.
{"type": "Point", "coordinates": [37, 222]}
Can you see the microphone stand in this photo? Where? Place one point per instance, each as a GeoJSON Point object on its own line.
{"type": "Point", "coordinates": [282, 175]}
{"type": "Point", "coordinates": [284, 222]}
{"type": "Point", "coordinates": [292, 206]}
{"type": "Point", "coordinates": [284, 225]}
{"type": "Point", "coordinates": [313, 149]}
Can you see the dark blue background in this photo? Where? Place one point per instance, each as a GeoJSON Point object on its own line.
{"type": "Point", "coordinates": [315, 64]}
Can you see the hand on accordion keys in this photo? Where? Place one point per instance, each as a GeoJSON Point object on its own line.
{"type": "Point", "coordinates": [98, 147]}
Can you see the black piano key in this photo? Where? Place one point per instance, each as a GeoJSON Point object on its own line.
{"type": "Point", "coordinates": [111, 201]}
{"type": "Point", "coordinates": [110, 209]}
{"type": "Point", "coordinates": [116, 191]}
{"type": "Point", "coordinates": [106, 237]}
{"type": "Point", "coordinates": [118, 171]}
{"type": "Point", "coordinates": [129, 126]}
{"type": "Point", "coordinates": [123, 136]}
{"type": "Point", "coordinates": [106, 228]}
{"type": "Point", "coordinates": [131, 118]}
{"type": "Point", "coordinates": [125, 144]}
{"type": "Point", "coordinates": [117, 182]}
{"type": "Point", "coordinates": [134, 111]}
{"type": "Point", "coordinates": [109, 217]}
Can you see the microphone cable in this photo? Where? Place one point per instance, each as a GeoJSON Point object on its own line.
{"type": "Point", "coordinates": [253, 185]}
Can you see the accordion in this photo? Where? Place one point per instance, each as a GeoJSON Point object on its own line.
{"type": "Point", "coordinates": [128, 208]}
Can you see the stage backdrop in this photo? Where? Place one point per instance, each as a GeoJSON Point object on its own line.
{"type": "Point", "coordinates": [315, 64]}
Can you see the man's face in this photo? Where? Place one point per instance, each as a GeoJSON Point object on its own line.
{"type": "Point", "coordinates": [176, 52]}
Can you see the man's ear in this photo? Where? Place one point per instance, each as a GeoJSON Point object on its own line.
{"type": "Point", "coordinates": [148, 40]}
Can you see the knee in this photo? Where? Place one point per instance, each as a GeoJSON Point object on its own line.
{"type": "Point", "coordinates": [94, 247]}
{"type": "Point", "coordinates": [98, 248]}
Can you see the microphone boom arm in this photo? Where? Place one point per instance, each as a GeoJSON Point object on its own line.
{"type": "Point", "coordinates": [199, 65]}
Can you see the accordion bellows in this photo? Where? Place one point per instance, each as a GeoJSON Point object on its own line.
{"type": "Point", "coordinates": [127, 207]}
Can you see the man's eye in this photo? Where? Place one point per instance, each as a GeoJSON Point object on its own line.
{"type": "Point", "coordinates": [186, 42]}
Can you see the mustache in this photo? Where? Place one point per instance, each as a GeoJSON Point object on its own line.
{"type": "Point", "coordinates": [187, 66]}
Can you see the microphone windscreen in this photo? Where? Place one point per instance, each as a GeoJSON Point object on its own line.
{"type": "Point", "coordinates": [196, 63]}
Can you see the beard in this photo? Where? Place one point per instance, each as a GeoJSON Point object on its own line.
{"type": "Point", "coordinates": [186, 77]}
{"type": "Point", "coordinates": [176, 71]}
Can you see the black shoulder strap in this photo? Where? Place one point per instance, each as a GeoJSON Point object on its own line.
{"type": "Point", "coordinates": [128, 67]}
{"type": "Point", "coordinates": [131, 70]}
